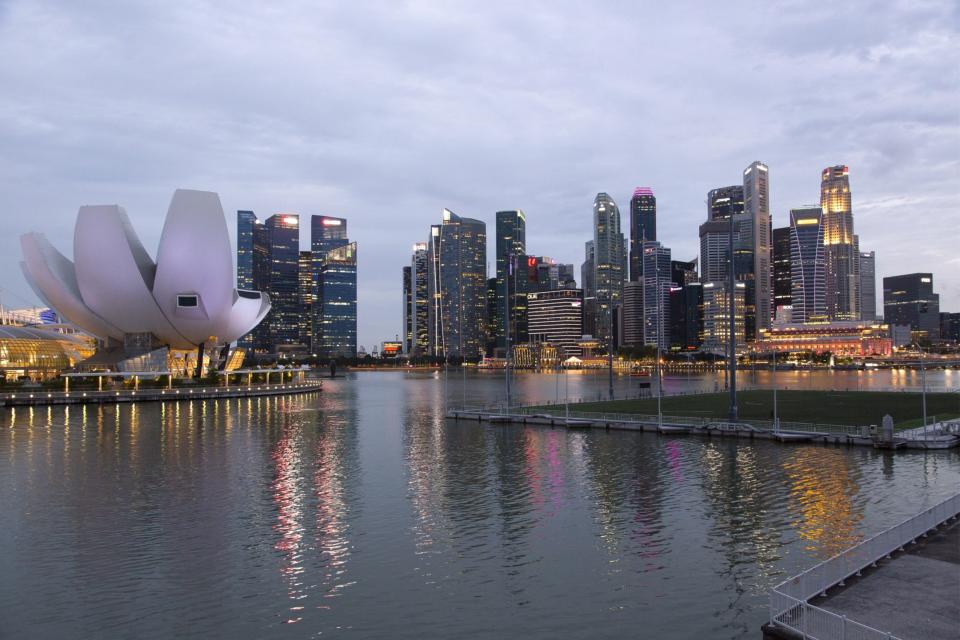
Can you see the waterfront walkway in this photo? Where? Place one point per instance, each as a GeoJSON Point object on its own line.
{"type": "Point", "coordinates": [915, 594]}
{"type": "Point", "coordinates": [38, 397]}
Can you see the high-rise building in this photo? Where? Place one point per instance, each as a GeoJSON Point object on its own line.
{"type": "Point", "coordinates": [807, 265]}
{"type": "Point", "coordinates": [643, 226]}
{"type": "Point", "coordinates": [511, 241]}
{"type": "Point", "coordinates": [632, 313]}
{"type": "Point", "coordinates": [909, 300]}
{"type": "Point", "coordinates": [335, 332]}
{"type": "Point", "coordinates": [306, 293]}
{"type": "Point", "coordinates": [246, 223]}
{"type": "Point", "coordinates": [327, 233]}
{"type": "Point", "coordinates": [608, 245]}
{"type": "Point", "coordinates": [409, 309]}
{"type": "Point", "coordinates": [657, 282]}
{"type": "Point", "coordinates": [756, 207]}
{"type": "Point", "coordinates": [420, 315]}
{"type": "Point", "coordinates": [434, 331]}
{"type": "Point", "coordinates": [588, 274]}
{"type": "Point", "coordinates": [950, 326]}
{"type": "Point", "coordinates": [283, 286]}
{"type": "Point", "coordinates": [715, 249]}
{"type": "Point", "coordinates": [686, 316]}
{"type": "Point", "coordinates": [868, 285]}
{"type": "Point", "coordinates": [458, 279]}
{"type": "Point", "coordinates": [841, 254]}
{"type": "Point", "coordinates": [782, 277]}
{"type": "Point", "coordinates": [556, 317]}
{"type": "Point", "coordinates": [253, 270]}
{"type": "Point", "coordinates": [716, 315]}
{"type": "Point", "coordinates": [724, 202]}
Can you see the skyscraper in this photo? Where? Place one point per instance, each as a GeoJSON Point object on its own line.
{"type": "Point", "coordinates": [409, 309]}
{"type": "Point", "coordinates": [643, 226]}
{"type": "Point", "coordinates": [657, 282]}
{"type": "Point", "coordinates": [458, 250]}
{"type": "Point", "coordinates": [283, 286]}
{"type": "Point", "coordinates": [868, 286]}
{"type": "Point", "coordinates": [840, 254]}
{"type": "Point", "coordinates": [556, 316]}
{"type": "Point", "coordinates": [588, 275]}
{"type": "Point", "coordinates": [632, 314]}
{"type": "Point", "coordinates": [246, 223]}
{"type": "Point", "coordinates": [782, 277]}
{"type": "Point", "coordinates": [608, 244]}
{"type": "Point", "coordinates": [724, 202]}
{"type": "Point", "coordinates": [327, 233]}
{"type": "Point", "coordinates": [511, 241]}
{"type": "Point", "coordinates": [306, 293]}
{"type": "Point", "coordinates": [909, 300]}
{"type": "Point", "coordinates": [807, 265]}
{"type": "Point", "coordinates": [421, 300]}
{"type": "Point", "coordinates": [756, 207]}
{"type": "Point", "coordinates": [253, 271]}
{"type": "Point", "coordinates": [335, 333]}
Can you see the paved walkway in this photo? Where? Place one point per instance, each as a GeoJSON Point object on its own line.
{"type": "Point", "coordinates": [915, 595]}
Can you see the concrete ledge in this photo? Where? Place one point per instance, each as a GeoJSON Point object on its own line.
{"type": "Point", "coordinates": [44, 398]}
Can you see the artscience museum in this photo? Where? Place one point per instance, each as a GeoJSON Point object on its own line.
{"type": "Point", "coordinates": [168, 314]}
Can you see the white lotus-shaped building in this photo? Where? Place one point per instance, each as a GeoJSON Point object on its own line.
{"type": "Point", "coordinates": [114, 290]}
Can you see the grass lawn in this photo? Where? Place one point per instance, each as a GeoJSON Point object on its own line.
{"type": "Point", "coordinates": [827, 407]}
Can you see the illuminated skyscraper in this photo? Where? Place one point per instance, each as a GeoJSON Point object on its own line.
{"type": "Point", "coordinates": [807, 265]}
{"type": "Point", "coordinates": [782, 278]}
{"type": "Point", "coordinates": [609, 247]}
{"type": "Point", "coordinates": [335, 328]}
{"type": "Point", "coordinates": [306, 293]}
{"type": "Point", "coordinates": [458, 281]}
{"type": "Point", "coordinates": [253, 270]}
{"type": "Point", "coordinates": [657, 282]}
{"type": "Point", "coordinates": [643, 226]}
{"type": "Point", "coordinates": [588, 275]}
{"type": "Point", "coordinates": [841, 254]}
{"type": "Point", "coordinates": [283, 285]}
{"type": "Point", "coordinates": [511, 241]}
{"type": "Point", "coordinates": [421, 299]}
{"type": "Point", "coordinates": [756, 208]}
{"type": "Point", "coordinates": [406, 337]}
{"type": "Point", "coordinates": [909, 300]}
{"type": "Point", "coordinates": [868, 285]}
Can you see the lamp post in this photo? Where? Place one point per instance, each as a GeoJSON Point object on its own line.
{"type": "Point", "coordinates": [731, 310]}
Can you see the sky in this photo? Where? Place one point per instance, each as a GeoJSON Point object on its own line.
{"type": "Point", "coordinates": [387, 112]}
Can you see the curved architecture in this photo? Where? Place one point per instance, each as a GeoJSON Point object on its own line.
{"type": "Point", "coordinates": [114, 290]}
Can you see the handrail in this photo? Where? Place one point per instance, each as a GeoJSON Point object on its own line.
{"type": "Point", "coordinates": [789, 606]}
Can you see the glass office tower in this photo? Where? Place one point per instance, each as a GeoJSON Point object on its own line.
{"type": "Point", "coordinates": [335, 331]}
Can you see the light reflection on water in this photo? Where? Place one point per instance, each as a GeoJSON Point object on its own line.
{"type": "Point", "coordinates": [362, 512]}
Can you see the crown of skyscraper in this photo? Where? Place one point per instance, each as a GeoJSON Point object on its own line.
{"type": "Point", "coordinates": [642, 191]}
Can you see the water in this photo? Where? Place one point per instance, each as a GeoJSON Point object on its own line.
{"type": "Point", "coordinates": [360, 512]}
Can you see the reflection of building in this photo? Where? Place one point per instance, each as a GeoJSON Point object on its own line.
{"type": "Point", "coordinates": [839, 338]}
{"type": "Point", "coordinates": [909, 299]}
{"type": "Point", "coordinates": [38, 354]}
{"type": "Point", "coordinates": [557, 317]}
{"type": "Point", "coordinates": [716, 315]}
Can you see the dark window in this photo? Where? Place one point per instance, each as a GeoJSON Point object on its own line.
{"type": "Point", "coordinates": [187, 301]}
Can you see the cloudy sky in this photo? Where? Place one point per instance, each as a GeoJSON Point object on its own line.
{"type": "Point", "coordinates": [386, 112]}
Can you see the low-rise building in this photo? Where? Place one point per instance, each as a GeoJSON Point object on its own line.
{"type": "Point", "coordinates": [850, 338]}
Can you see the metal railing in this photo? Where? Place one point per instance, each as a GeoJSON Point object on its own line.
{"type": "Point", "coordinates": [789, 606]}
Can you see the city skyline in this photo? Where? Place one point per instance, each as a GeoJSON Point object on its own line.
{"type": "Point", "coordinates": [85, 137]}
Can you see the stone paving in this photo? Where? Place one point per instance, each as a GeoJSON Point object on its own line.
{"type": "Point", "coordinates": [914, 595]}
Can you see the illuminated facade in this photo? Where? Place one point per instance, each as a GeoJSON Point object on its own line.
{"type": "Point", "coordinates": [849, 338]}
{"type": "Point", "coordinates": [807, 265]}
{"type": "Point", "coordinates": [609, 265]}
{"type": "Point", "coordinates": [643, 227]}
{"type": "Point", "coordinates": [535, 355]}
{"type": "Point", "coordinates": [840, 249]}
{"type": "Point", "coordinates": [458, 281]}
{"type": "Point", "coordinates": [782, 278]}
{"type": "Point", "coordinates": [657, 282]}
{"type": "Point", "coordinates": [421, 300]}
{"type": "Point", "coordinates": [335, 322]}
{"type": "Point", "coordinates": [756, 207]}
{"type": "Point", "coordinates": [716, 316]}
{"type": "Point", "coordinates": [909, 300]}
{"type": "Point", "coordinates": [511, 242]}
{"type": "Point", "coordinates": [557, 317]}
{"type": "Point", "coordinates": [283, 284]}
{"type": "Point", "coordinates": [39, 354]}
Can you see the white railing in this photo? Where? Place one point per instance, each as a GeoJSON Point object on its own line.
{"type": "Point", "coordinates": [788, 600]}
